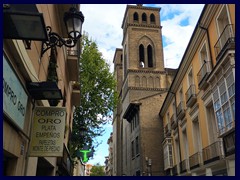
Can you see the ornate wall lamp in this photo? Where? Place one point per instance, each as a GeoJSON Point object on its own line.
{"type": "Point", "coordinates": [73, 20]}
{"type": "Point", "coordinates": [23, 21]}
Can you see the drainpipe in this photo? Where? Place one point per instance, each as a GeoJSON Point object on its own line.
{"type": "Point", "coordinates": [201, 27]}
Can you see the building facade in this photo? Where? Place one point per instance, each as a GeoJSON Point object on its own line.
{"type": "Point", "coordinates": [198, 113]}
{"type": "Point", "coordinates": [24, 63]}
{"type": "Point", "coordinates": [142, 84]}
{"type": "Point", "coordinates": [109, 159]}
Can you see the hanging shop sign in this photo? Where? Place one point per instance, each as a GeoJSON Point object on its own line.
{"type": "Point", "coordinates": [47, 132]}
{"type": "Point", "coordinates": [14, 96]}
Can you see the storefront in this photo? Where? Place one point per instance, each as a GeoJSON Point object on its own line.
{"type": "Point", "coordinates": [16, 119]}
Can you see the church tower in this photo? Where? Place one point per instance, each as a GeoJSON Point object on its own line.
{"type": "Point", "coordinates": [137, 130]}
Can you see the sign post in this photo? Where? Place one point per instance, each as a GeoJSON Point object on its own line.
{"type": "Point", "coordinates": [47, 132]}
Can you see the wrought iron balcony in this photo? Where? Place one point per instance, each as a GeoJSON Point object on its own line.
{"type": "Point", "coordinates": [225, 42]}
{"type": "Point", "coordinates": [203, 74]}
{"type": "Point", "coordinates": [174, 170]}
{"type": "Point", "coordinates": [167, 130]}
{"type": "Point", "coordinates": [173, 120]}
{"type": "Point", "coordinates": [180, 110]}
{"type": "Point", "coordinates": [213, 152]}
{"type": "Point", "coordinates": [191, 96]}
{"type": "Point", "coordinates": [195, 160]}
{"type": "Point", "coordinates": [184, 166]}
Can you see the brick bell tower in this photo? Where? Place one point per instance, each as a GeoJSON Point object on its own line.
{"type": "Point", "coordinates": [144, 82]}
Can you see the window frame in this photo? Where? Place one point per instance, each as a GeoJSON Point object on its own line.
{"type": "Point", "coordinates": [224, 106]}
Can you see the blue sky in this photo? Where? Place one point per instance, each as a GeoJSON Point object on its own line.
{"type": "Point", "coordinates": [103, 24]}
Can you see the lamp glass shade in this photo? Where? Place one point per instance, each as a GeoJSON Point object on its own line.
{"type": "Point", "coordinates": [52, 94]}
{"type": "Point", "coordinates": [44, 90]}
{"type": "Point", "coordinates": [73, 20]}
{"type": "Point", "coordinates": [24, 26]}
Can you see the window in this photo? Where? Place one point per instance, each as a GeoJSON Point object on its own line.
{"type": "Point", "coordinates": [204, 54]}
{"type": "Point", "coordinates": [144, 18]}
{"type": "Point", "coordinates": [125, 61]}
{"type": "Point", "coordinates": [224, 103]}
{"type": "Point", "coordinates": [134, 122]}
{"type": "Point", "coordinates": [137, 119]}
{"type": "Point", "coordinates": [135, 16]}
{"type": "Point", "coordinates": [190, 78]}
{"type": "Point", "coordinates": [137, 146]}
{"type": "Point", "coordinates": [167, 128]}
{"type": "Point", "coordinates": [141, 56]}
{"type": "Point", "coordinates": [229, 144]}
{"type": "Point", "coordinates": [185, 142]}
{"type": "Point", "coordinates": [222, 20]}
{"type": "Point", "coordinates": [196, 136]}
{"type": "Point", "coordinates": [167, 151]}
{"type": "Point", "coordinates": [212, 126]}
{"type": "Point", "coordinates": [176, 151]}
{"type": "Point", "coordinates": [191, 92]}
{"type": "Point", "coordinates": [133, 154]}
{"type": "Point", "coordinates": [152, 19]}
{"type": "Point", "coordinates": [205, 64]}
{"type": "Point", "coordinates": [181, 95]}
{"type": "Point", "coordinates": [150, 56]}
{"type": "Point", "coordinates": [225, 31]}
{"type": "Point", "coordinates": [131, 126]}
{"type": "Point", "coordinates": [138, 173]}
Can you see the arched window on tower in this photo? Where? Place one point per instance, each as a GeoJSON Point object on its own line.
{"type": "Point", "coordinates": [152, 19]}
{"type": "Point", "coordinates": [141, 56]}
{"type": "Point", "coordinates": [135, 17]}
{"type": "Point", "coordinates": [150, 56]}
{"type": "Point", "coordinates": [144, 18]}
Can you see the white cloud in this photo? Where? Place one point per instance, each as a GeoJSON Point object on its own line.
{"type": "Point", "coordinates": [103, 23]}
{"type": "Point", "coordinates": [177, 36]}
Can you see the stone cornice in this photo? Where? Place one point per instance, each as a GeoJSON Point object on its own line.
{"type": "Point", "coordinates": [144, 7]}
{"type": "Point", "coordinates": [148, 89]}
{"type": "Point", "coordinates": [144, 89]}
{"type": "Point", "coordinates": [145, 71]}
{"type": "Point", "coordinates": [144, 25]}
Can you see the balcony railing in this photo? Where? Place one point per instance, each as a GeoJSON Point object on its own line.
{"type": "Point", "coordinates": [174, 170]}
{"type": "Point", "coordinates": [225, 42]}
{"type": "Point", "coordinates": [213, 152]}
{"type": "Point", "coordinates": [167, 130]}
{"type": "Point", "coordinates": [173, 120]}
{"type": "Point", "coordinates": [203, 74]}
{"type": "Point", "coordinates": [184, 165]}
{"type": "Point", "coordinates": [180, 110]}
{"type": "Point", "coordinates": [191, 96]}
{"type": "Point", "coordinates": [195, 160]}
